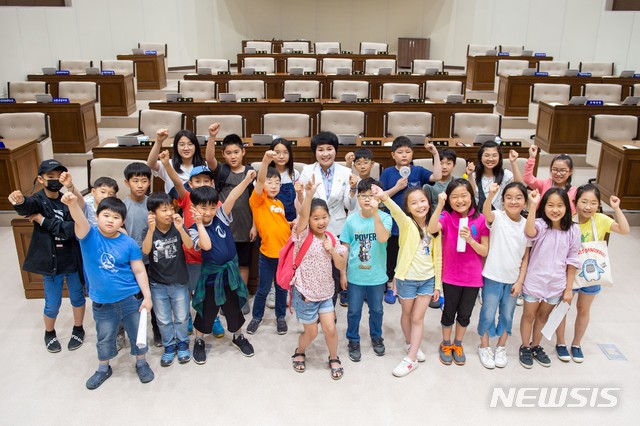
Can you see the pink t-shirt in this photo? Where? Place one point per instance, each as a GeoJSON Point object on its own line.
{"type": "Point", "coordinates": [543, 185]}
{"type": "Point", "coordinates": [461, 268]}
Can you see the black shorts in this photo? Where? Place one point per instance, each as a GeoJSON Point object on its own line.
{"type": "Point", "coordinates": [244, 253]}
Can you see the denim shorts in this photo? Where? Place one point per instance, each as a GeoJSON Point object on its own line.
{"type": "Point", "coordinates": [108, 317]}
{"type": "Point", "coordinates": [308, 311]}
{"type": "Point", "coordinates": [592, 289]}
{"type": "Point", "coordinates": [551, 300]}
{"type": "Point", "coordinates": [410, 289]}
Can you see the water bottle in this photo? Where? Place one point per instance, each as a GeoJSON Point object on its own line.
{"type": "Point", "coordinates": [441, 301]}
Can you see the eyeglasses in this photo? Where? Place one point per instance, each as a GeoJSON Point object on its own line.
{"type": "Point", "coordinates": [366, 196]}
{"type": "Point", "coordinates": [561, 172]}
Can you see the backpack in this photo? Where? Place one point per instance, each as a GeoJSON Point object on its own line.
{"type": "Point", "coordinates": [287, 265]}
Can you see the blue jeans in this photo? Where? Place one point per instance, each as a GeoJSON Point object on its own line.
{"type": "Point", "coordinates": [108, 317]}
{"type": "Point", "coordinates": [496, 297]}
{"type": "Point", "coordinates": [53, 292]}
{"type": "Point", "coordinates": [267, 273]}
{"type": "Point", "coordinates": [356, 294]}
{"type": "Point", "coordinates": [171, 305]}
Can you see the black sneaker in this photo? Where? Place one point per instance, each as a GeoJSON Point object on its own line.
{"type": "Point", "coordinates": [378, 346]}
{"type": "Point", "coordinates": [199, 354]}
{"type": "Point", "coordinates": [281, 326]}
{"type": "Point", "coordinates": [526, 360]}
{"type": "Point", "coordinates": [77, 338]}
{"type": "Point", "coordinates": [253, 325]}
{"type": "Point", "coordinates": [354, 351]}
{"type": "Point", "coordinates": [243, 345]}
{"type": "Point", "coordinates": [540, 356]}
{"type": "Point", "coordinates": [51, 341]}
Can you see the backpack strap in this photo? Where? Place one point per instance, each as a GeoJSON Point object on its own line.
{"type": "Point", "coordinates": [333, 239]}
{"type": "Point", "coordinates": [303, 250]}
{"type": "Point", "coordinates": [225, 170]}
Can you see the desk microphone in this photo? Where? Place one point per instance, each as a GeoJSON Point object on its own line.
{"type": "Point", "coordinates": [405, 171]}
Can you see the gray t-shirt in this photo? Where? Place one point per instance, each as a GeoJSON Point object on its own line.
{"type": "Point", "coordinates": [435, 189]}
{"type": "Point", "coordinates": [136, 222]}
{"type": "Point", "coordinates": [241, 212]}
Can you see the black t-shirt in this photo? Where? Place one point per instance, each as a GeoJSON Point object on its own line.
{"type": "Point", "coordinates": [167, 264]}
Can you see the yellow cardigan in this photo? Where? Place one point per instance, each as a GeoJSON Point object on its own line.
{"type": "Point", "coordinates": [409, 240]}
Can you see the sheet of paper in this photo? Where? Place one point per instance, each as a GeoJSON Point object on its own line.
{"type": "Point", "coordinates": [555, 318]}
{"type": "Point", "coordinates": [141, 340]}
{"type": "Point", "coordinates": [462, 243]}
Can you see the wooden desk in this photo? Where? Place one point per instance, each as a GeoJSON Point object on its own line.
{"type": "Point", "coordinates": [619, 173]}
{"type": "Point", "coordinates": [277, 44]}
{"type": "Point", "coordinates": [565, 128]}
{"type": "Point", "coordinates": [117, 94]}
{"type": "Point", "coordinates": [514, 91]}
{"type": "Point", "coordinates": [151, 70]}
{"type": "Point", "coordinates": [18, 168]}
{"type": "Point", "coordinates": [74, 128]}
{"type": "Point", "coordinates": [33, 284]}
{"type": "Point", "coordinates": [281, 58]}
{"type": "Point", "coordinates": [481, 70]}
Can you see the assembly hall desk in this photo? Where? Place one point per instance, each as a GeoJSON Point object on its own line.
{"type": "Point", "coordinates": [481, 70]}
{"type": "Point", "coordinates": [619, 172]}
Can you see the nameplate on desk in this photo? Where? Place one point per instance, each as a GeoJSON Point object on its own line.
{"type": "Point", "coordinates": [146, 143]}
{"type": "Point", "coordinates": [442, 73]}
{"type": "Point", "coordinates": [347, 52]}
{"type": "Point", "coordinates": [306, 100]}
{"type": "Point", "coordinates": [404, 73]}
{"type": "Point", "coordinates": [2, 145]}
{"type": "Point", "coordinates": [261, 52]}
{"type": "Point", "coordinates": [181, 99]}
{"type": "Point", "coordinates": [439, 143]}
{"type": "Point", "coordinates": [248, 99]}
{"type": "Point", "coordinates": [7, 100]}
{"type": "Point", "coordinates": [473, 101]}
{"type": "Point", "coordinates": [310, 73]}
{"type": "Point", "coordinates": [636, 76]}
{"type": "Point", "coordinates": [224, 72]}
{"type": "Point", "coordinates": [584, 74]}
{"type": "Point", "coordinates": [541, 74]}
{"type": "Point", "coordinates": [594, 102]}
{"type": "Point", "coordinates": [416, 100]}
{"type": "Point", "coordinates": [364, 100]}
{"type": "Point", "coordinates": [63, 72]}
{"type": "Point", "coordinates": [540, 54]}
{"type": "Point", "coordinates": [293, 142]}
{"type": "Point", "coordinates": [381, 53]}
{"type": "Point", "coordinates": [370, 142]}
{"type": "Point", "coordinates": [503, 53]}
{"type": "Point", "coordinates": [108, 72]}
{"type": "Point", "coordinates": [298, 52]}
{"type": "Point", "coordinates": [357, 72]}
{"type": "Point", "coordinates": [218, 142]}
{"type": "Point", "coordinates": [150, 52]}
{"type": "Point", "coordinates": [510, 143]}
{"type": "Point", "coordinates": [260, 73]}
{"type": "Point", "coordinates": [60, 100]}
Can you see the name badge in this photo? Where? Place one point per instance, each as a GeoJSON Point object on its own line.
{"type": "Point", "coordinates": [503, 53]}
{"type": "Point", "coordinates": [541, 74]}
{"type": "Point", "coordinates": [108, 72]}
{"type": "Point", "coordinates": [63, 72]}
{"type": "Point", "coordinates": [7, 100]}
{"type": "Point", "coordinates": [60, 100]}
{"type": "Point", "coordinates": [540, 54]}
{"type": "Point", "coordinates": [150, 52]}
{"type": "Point", "coordinates": [584, 74]}
{"type": "Point", "coordinates": [595, 102]}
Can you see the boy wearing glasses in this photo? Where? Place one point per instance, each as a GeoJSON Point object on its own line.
{"type": "Point", "coordinates": [365, 234]}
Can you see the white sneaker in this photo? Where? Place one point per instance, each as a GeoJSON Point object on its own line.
{"type": "Point", "coordinates": [500, 357]}
{"type": "Point", "coordinates": [420, 356]}
{"type": "Point", "coordinates": [405, 367]}
{"type": "Point", "coordinates": [487, 357]}
{"type": "Point", "coordinates": [271, 299]}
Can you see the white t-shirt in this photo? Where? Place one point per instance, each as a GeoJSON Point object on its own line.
{"type": "Point", "coordinates": [183, 174]}
{"type": "Point", "coordinates": [507, 178]}
{"type": "Point", "coordinates": [507, 244]}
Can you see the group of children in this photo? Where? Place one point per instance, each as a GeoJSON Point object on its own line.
{"type": "Point", "coordinates": [141, 254]}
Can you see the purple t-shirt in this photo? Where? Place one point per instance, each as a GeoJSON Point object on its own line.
{"type": "Point", "coordinates": [461, 268]}
{"type": "Point", "coordinates": [552, 251]}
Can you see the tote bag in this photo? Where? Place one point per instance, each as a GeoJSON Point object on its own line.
{"type": "Point", "coordinates": [595, 264]}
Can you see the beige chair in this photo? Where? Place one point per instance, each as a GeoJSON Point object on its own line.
{"type": "Point", "coordinates": [75, 66]}
{"type": "Point", "coordinates": [603, 92]}
{"type": "Point", "coordinates": [507, 67]}
{"type": "Point", "coordinates": [113, 168]}
{"type": "Point", "coordinates": [150, 120]}
{"type": "Point", "coordinates": [391, 89]}
{"type": "Point", "coordinates": [597, 69]}
{"type": "Point", "coordinates": [418, 66]}
{"type": "Point", "coordinates": [372, 66]}
{"type": "Point", "coordinates": [373, 48]}
{"type": "Point", "coordinates": [267, 65]}
{"type": "Point", "coordinates": [247, 88]}
{"type": "Point", "coordinates": [23, 91]}
{"type": "Point", "coordinates": [261, 45]}
{"type": "Point", "coordinates": [479, 49]}
{"type": "Point", "coordinates": [307, 64]}
{"type": "Point", "coordinates": [201, 90]}
{"type": "Point", "coordinates": [437, 90]}
{"type": "Point", "coordinates": [506, 163]}
{"type": "Point", "coordinates": [216, 65]}
{"type": "Point", "coordinates": [546, 92]}
{"type": "Point", "coordinates": [296, 46]}
{"type": "Point", "coordinates": [553, 67]}
{"type": "Point", "coordinates": [121, 67]}
{"type": "Point", "coordinates": [511, 49]}
{"type": "Point", "coordinates": [398, 123]}
{"type": "Point", "coordinates": [359, 88]}
{"type": "Point", "coordinates": [603, 127]}
{"type": "Point", "coordinates": [287, 125]}
{"type": "Point", "coordinates": [28, 125]}
{"type": "Point", "coordinates": [323, 47]}
{"type": "Point", "coordinates": [458, 170]}
{"type": "Point", "coordinates": [342, 121]}
{"type": "Point", "coordinates": [229, 124]}
{"type": "Point", "coordinates": [306, 88]}
{"type": "Point", "coordinates": [636, 90]}
{"type": "Point", "coordinates": [467, 125]}
{"type": "Point", "coordinates": [81, 91]}
{"type": "Point", "coordinates": [331, 65]}
{"type": "Point", "coordinates": [376, 169]}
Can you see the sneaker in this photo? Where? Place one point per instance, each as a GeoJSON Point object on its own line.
{"type": "Point", "coordinates": [405, 367]}
{"type": "Point", "coordinates": [354, 351]}
{"type": "Point", "coordinates": [184, 354]}
{"type": "Point", "coordinates": [271, 299]}
{"type": "Point", "coordinates": [218, 329]}
{"type": "Point", "coordinates": [157, 339]}
{"type": "Point", "coordinates": [253, 325]}
{"type": "Point", "coordinates": [525, 357]}
{"type": "Point", "coordinates": [576, 354]}
{"type": "Point", "coordinates": [563, 353]}
{"type": "Point", "coordinates": [190, 324]}
{"type": "Point", "coordinates": [500, 356]}
{"type": "Point", "coordinates": [434, 304]}
{"type": "Point", "coordinates": [389, 297]}
{"type": "Point", "coordinates": [519, 301]}
{"type": "Point", "coordinates": [458, 354]}
{"type": "Point", "coordinates": [120, 341]}
{"type": "Point", "coordinates": [98, 378]}
{"type": "Point", "coordinates": [344, 301]}
{"type": "Point", "coordinates": [168, 356]}
{"type": "Point", "coordinates": [199, 354]}
{"type": "Point", "coordinates": [246, 309]}
{"type": "Point", "coordinates": [52, 343]}
{"type": "Point", "coordinates": [540, 356]}
{"type": "Point", "coordinates": [243, 345]}
{"type": "Point", "coordinates": [77, 338]}
{"type": "Point", "coordinates": [487, 357]}
{"type": "Point", "coordinates": [378, 346]}
{"type": "Point", "coordinates": [445, 354]}
{"type": "Point", "coordinates": [144, 373]}
{"type": "Point", "coordinates": [420, 356]}
{"type": "Point", "coordinates": [281, 326]}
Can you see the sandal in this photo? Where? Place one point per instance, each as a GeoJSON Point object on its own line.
{"type": "Point", "coordinates": [298, 366]}
{"type": "Point", "coordinates": [336, 372]}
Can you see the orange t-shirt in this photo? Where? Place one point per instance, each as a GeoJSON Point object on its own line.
{"type": "Point", "coordinates": [272, 225]}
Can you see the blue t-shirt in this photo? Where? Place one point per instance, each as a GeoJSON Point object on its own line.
{"type": "Point", "coordinates": [367, 262]}
{"type": "Point", "coordinates": [223, 247]}
{"type": "Point", "coordinates": [390, 176]}
{"type": "Point", "coordinates": [107, 266]}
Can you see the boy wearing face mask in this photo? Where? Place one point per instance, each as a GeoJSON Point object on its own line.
{"type": "Point", "coordinates": [54, 251]}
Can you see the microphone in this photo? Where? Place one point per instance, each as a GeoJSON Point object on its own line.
{"type": "Point", "coordinates": [405, 171]}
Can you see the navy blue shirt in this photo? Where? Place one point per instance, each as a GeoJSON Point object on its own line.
{"type": "Point", "coordinates": [223, 247]}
